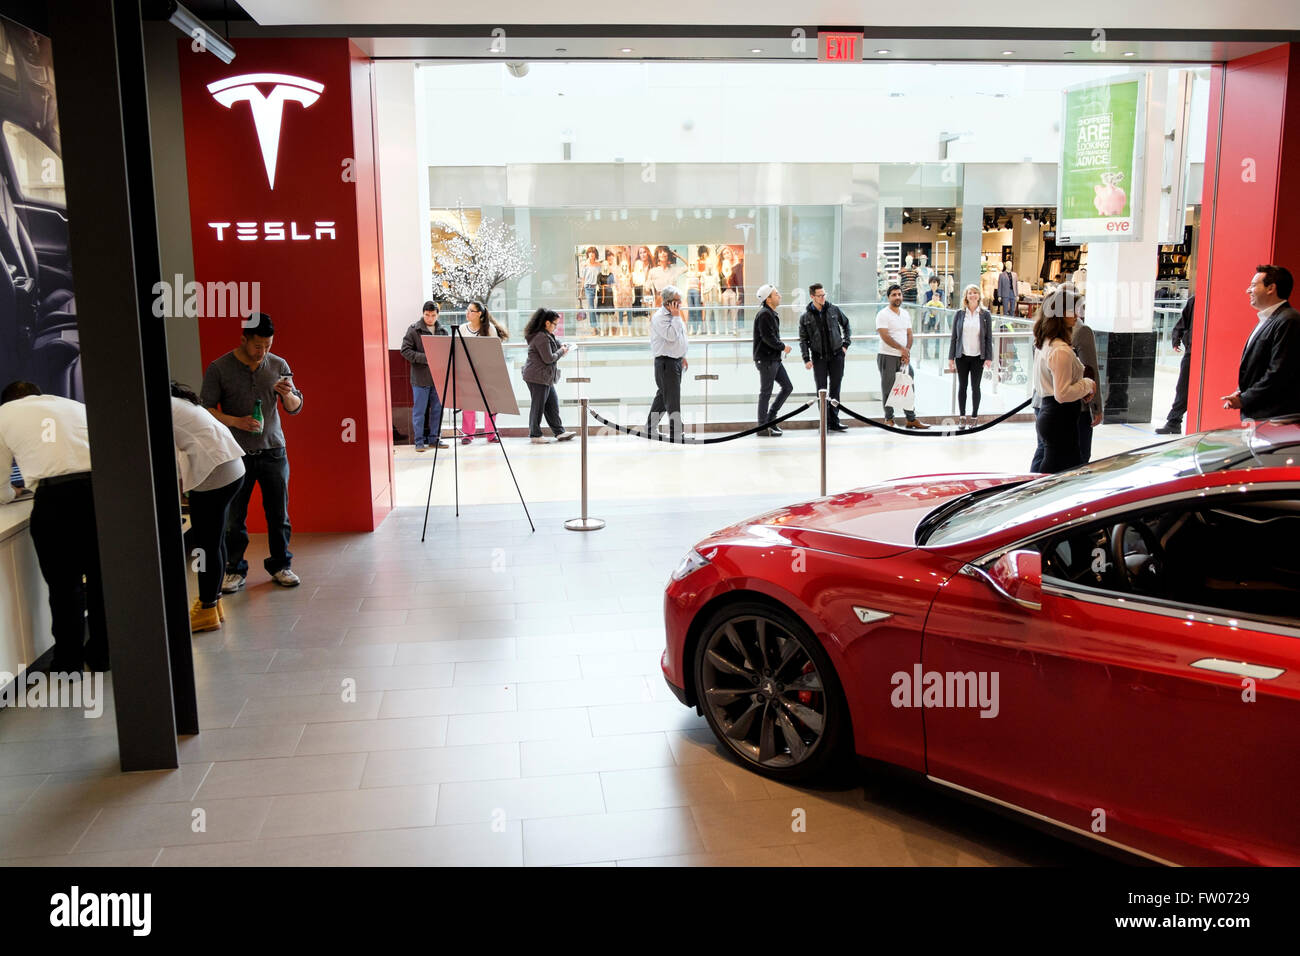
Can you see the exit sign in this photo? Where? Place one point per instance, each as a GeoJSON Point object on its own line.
{"type": "Point", "coordinates": [839, 47]}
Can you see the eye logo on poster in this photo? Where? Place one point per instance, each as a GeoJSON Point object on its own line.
{"type": "Point", "coordinates": [1102, 138]}
{"type": "Point", "coordinates": [268, 110]}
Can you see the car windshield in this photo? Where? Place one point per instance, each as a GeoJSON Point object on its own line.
{"type": "Point", "coordinates": [1141, 468]}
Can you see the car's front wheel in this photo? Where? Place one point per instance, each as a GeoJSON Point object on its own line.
{"type": "Point", "coordinates": [769, 692]}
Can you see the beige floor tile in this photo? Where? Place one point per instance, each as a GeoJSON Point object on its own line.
{"type": "Point", "coordinates": [472, 845]}
{"type": "Point", "coordinates": [400, 634]}
{"type": "Point", "coordinates": [316, 659]}
{"type": "Point", "coordinates": [16, 791]}
{"type": "Point", "coordinates": [604, 623]}
{"type": "Point", "coordinates": [26, 757]}
{"type": "Point", "coordinates": [544, 757]}
{"type": "Point", "coordinates": [175, 824]}
{"type": "Point", "coordinates": [113, 858]}
{"type": "Point", "coordinates": [281, 775]}
{"type": "Point", "coordinates": [694, 746]}
{"type": "Point", "coordinates": [757, 856]}
{"type": "Point", "coordinates": [560, 645]}
{"type": "Point", "coordinates": [627, 663]}
{"type": "Point", "coordinates": [583, 693]}
{"type": "Point", "coordinates": [485, 801]}
{"type": "Point", "coordinates": [385, 808]}
{"type": "Point", "coordinates": [302, 709]}
{"type": "Point", "coordinates": [113, 788]}
{"type": "Point", "coordinates": [397, 677]}
{"type": "Point", "coordinates": [328, 618]}
{"type": "Point", "coordinates": [390, 596]}
{"type": "Point", "coordinates": [517, 671]}
{"type": "Point", "coordinates": [675, 786]}
{"type": "Point", "coordinates": [554, 841]}
{"type": "Point", "coordinates": [641, 718]}
{"type": "Point", "coordinates": [756, 823]}
{"type": "Point", "coordinates": [566, 724]}
{"type": "Point", "coordinates": [38, 831]}
{"type": "Point", "coordinates": [473, 699]}
{"type": "Point", "coordinates": [399, 768]}
{"type": "Point", "coordinates": [436, 652]}
{"type": "Point", "coordinates": [241, 743]}
{"type": "Point", "coordinates": [215, 662]}
{"type": "Point", "coordinates": [362, 736]}
{"type": "Point", "coordinates": [58, 723]}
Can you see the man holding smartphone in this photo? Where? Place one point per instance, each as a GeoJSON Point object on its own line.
{"type": "Point", "coordinates": [232, 388]}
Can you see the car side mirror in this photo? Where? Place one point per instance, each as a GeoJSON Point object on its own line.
{"type": "Point", "coordinates": [1018, 575]}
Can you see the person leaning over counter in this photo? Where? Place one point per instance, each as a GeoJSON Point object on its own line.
{"type": "Point", "coordinates": [47, 436]}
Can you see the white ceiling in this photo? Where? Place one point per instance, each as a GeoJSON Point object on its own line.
{"type": "Point", "coordinates": [1017, 14]}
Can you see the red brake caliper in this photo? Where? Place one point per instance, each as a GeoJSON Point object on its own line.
{"type": "Point", "coordinates": [806, 696]}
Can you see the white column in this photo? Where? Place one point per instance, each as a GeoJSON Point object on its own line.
{"type": "Point", "coordinates": [403, 194]}
{"type": "Point", "coordinates": [1121, 276]}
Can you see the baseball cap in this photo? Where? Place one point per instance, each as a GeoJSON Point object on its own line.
{"type": "Point", "coordinates": [764, 291]}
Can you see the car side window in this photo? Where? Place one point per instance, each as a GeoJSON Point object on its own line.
{"type": "Point", "coordinates": [1238, 558]}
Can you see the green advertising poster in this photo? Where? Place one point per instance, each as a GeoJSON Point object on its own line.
{"type": "Point", "coordinates": [1100, 179]}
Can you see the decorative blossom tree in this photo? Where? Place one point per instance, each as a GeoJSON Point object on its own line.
{"type": "Point", "coordinates": [469, 266]}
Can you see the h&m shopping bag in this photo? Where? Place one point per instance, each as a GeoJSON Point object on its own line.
{"type": "Point", "coordinates": [903, 394]}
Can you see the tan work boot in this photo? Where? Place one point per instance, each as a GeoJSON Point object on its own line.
{"type": "Point", "coordinates": [204, 618]}
{"type": "Point", "coordinates": [221, 610]}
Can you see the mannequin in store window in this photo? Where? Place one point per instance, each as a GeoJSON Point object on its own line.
{"type": "Point", "coordinates": [623, 294]}
{"type": "Point", "coordinates": [589, 280]}
{"type": "Point", "coordinates": [1008, 289]}
{"type": "Point", "coordinates": [711, 293]}
{"type": "Point", "coordinates": [923, 273]}
{"type": "Point", "coordinates": [692, 278]}
{"type": "Point", "coordinates": [605, 293]}
{"type": "Point", "coordinates": [907, 278]}
{"type": "Point", "coordinates": [640, 280]}
{"type": "Point", "coordinates": [663, 273]}
{"type": "Point", "coordinates": [726, 265]}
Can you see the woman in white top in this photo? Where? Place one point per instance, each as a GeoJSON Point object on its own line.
{"type": "Point", "coordinates": [212, 472]}
{"type": "Point", "coordinates": [1059, 381]}
{"type": "Point", "coordinates": [971, 350]}
{"type": "Point", "coordinates": [479, 321]}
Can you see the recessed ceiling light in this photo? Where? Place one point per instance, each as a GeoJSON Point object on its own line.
{"type": "Point", "coordinates": [1130, 53]}
{"type": "Point", "coordinates": [882, 52]}
{"type": "Point", "coordinates": [755, 50]}
{"type": "Point", "coordinates": [1008, 52]}
{"type": "Point", "coordinates": [626, 49]}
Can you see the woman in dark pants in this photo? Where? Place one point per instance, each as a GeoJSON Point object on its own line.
{"type": "Point", "coordinates": [541, 372]}
{"type": "Point", "coordinates": [1059, 380]}
{"type": "Point", "coordinates": [212, 471]}
{"type": "Point", "coordinates": [971, 350]}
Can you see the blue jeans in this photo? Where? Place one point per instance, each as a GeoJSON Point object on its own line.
{"type": "Point", "coordinates": [694, 301]}
{"type": "Point", "coordinates": [590, 291]}
{"type": "Point", "coordinates": [270, 470]}
{"type": "Point", "coordinates": [426, 415]}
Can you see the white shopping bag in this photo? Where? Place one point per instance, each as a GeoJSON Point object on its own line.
{"type": "Point", "coordinates": [903, 394]}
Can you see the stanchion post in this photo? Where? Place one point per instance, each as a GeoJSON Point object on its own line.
{"type": "Point", "coordinates": [584, 523]}
{"type": "Point", "coordinates": [821, 427]}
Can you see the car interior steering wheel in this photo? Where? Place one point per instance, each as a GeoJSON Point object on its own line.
{"type": "Point", "coordinates": [1136, 567]}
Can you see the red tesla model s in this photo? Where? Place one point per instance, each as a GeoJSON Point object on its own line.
{"type": "Point", "coordinates": [1114, 649]}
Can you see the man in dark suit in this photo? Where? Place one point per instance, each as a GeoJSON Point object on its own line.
{"type": "Point", "coordinates": [1268, 382]}
{"type": "Point", "coordinates": [1181, 337]}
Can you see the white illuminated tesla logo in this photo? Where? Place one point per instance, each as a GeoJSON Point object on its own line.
{"type": "Point", "coordinates": [267, 110]}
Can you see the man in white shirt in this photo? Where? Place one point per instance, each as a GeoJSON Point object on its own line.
{"type": "Point", "coordinates": [668, 345]}
{"type": "Point", "coordinates": [47, 436]}
{"type": "Point", "coordinates": [894, 324]}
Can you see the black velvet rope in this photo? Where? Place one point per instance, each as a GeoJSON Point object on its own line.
{"type": "Point", "coordinates": [929, 432]}
{"type": "Point", "coordinates": [640, 432]}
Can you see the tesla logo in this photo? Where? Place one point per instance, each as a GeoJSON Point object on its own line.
{"type": "Point", "coordinates": [867, 616]}
{"type": "Point", "coordinates": [268, 110]}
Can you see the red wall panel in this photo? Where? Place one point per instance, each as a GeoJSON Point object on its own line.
{"type": "Point", "coordinates": [322, 291]}
{"type": "Point", "coordinates": [1241, 211]}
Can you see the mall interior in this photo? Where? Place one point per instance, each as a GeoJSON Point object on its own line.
{"type": "Point", "coordinates": [521, 668]}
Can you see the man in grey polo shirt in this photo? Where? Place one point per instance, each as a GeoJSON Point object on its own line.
{"type": "Point", "coordinates": [232, 388]}
{"type": "Point", "coordinates": [668, 345]}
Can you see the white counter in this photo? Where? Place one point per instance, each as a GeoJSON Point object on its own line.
{"type": "Point", "coordinates": [24, 599]}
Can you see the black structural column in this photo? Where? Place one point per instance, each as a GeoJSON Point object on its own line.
{"type": "Point", "coordinates": [99, 68]}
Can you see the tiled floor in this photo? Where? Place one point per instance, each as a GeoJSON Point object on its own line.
{"type": "Point", "coordinates": [491, 696]}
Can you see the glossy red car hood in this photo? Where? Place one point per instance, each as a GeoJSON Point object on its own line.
{"type": "Point", "coordinates": [873, 522]}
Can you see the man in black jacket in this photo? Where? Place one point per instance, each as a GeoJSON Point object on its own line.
{"type": "Point", "coordinates": [824, 339]}
{"type": "Point", "coordinates": [1181, 339]}
{"type": "Point", "coordinates": [768, 352]}
{"type": "Point", "coordinates": [426, 415]}
{"type": "Point", "coordinates": [1268, 381]}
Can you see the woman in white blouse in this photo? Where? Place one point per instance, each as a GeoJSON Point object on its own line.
{"type": "Point", "coordinates": [212, 472]}
{"type": "Point", "coordinates": [971, 350]}
{"type": "Point", "coordinates": [479, 321]}
{"type": "Point", "coordinates": [1059, 381]}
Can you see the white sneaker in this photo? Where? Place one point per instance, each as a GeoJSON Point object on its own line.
{"type": "Point", "coordinates": [286, 578]}
{"type": "Point", "coordinates": [565, 436]}
{"type": "Point", "coordinates": [540, 440]}
{"type": "Point", "coordinates": [232, 582]}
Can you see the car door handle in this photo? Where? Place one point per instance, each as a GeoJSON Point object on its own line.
{"type": "Point", "coordinates": [1240, 668]}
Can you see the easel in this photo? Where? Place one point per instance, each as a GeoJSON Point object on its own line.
{"type": "Point", "coordinates": [450, 377]}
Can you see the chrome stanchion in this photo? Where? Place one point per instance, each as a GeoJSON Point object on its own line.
{"type": "Point", "coordinates": [821, 426]}
{"type": "Point", "coordinates": [584, 523]}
